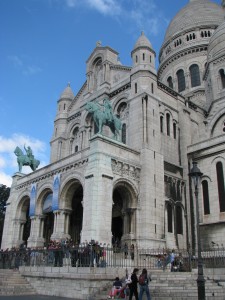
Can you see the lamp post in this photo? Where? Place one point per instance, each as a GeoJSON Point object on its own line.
{"type": "Point", "coordinates": [196, 175]}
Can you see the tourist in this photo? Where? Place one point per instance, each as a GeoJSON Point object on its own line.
{"type": "Point", "coordinates": [143, 284]}
{"type": "Point", "coordinates": [125, 250]}
{"type": "Point", "coordinates": [172, 261]}
{"type": "Point", "coordinates": [133, 285]}
{"type": "Point", "coordinates": [132, 251]}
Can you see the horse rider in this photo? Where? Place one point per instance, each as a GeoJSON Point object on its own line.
{"type": "Point", "coordinates": [108, 109]}
{"type": "Point", "coordinates": [29, 153]}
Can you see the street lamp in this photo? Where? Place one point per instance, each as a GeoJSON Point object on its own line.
{"type": "Point", "coordinates": [196, 175]}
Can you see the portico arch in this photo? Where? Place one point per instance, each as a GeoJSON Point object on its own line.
{"type": "Point", "coordinates": [72, 205]}
{"type": "Point", "coordinates": [22, 221]}
{"type": "Point", "coordinates": [124, 212]}
{"type": "Point", "coordinates": [43, 220]}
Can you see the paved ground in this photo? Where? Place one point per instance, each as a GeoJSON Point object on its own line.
{"type": "Point", "coordinates": [32, 297]}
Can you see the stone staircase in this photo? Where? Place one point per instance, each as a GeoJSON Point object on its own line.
{"type": "Point", "coordinates": [182, 286]}
{"type": "Point", "coordinates": [176, 286]}
{"type": "Point", "coordinates": [13, 283]}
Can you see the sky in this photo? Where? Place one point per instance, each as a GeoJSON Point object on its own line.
{"type": "Point", "coordinates": [44, 44]}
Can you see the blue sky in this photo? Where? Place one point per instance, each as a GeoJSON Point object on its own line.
{"type": "Point", "coordinates": [44, 44]}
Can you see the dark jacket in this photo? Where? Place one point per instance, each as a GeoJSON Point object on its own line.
{"type": "Point", "coordinates": [134, 282]}
{"type": "Point", "coordinates": [117, 283]}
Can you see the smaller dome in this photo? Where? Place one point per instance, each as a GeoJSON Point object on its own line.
{"type": "Point", "coordinates": [67, 93]}
{"type": "Point", "coordinates": [217, 43]}
{"type": "Point", "coordinates": [142, 41]}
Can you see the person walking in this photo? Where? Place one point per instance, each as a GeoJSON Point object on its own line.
{"type": "Point", "coordinates": [133, 285]}
{"type": "Point", "coordinates": [172, 261]}
{"type": "Point", "coordinates": [125, 250]}
{"type": "Point", "coordinates": [143, 284]}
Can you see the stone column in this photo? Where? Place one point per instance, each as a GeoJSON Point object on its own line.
{"type": "Point", "coordinates": [59, 149]}
{"type": "Point", "coordinates": [71, 145]}
{"type": "Point", "coordinates": [17, 233]}
{"type": "Point", "coordinates": [36, 238]}
{"type": "Point", "coordinates": [187, 80]}
{"type": "Point", "coordinates": [98, 191]}
{"type": "Point", "coordinates": [151, 199]}
{"type": "Point", "coordinates": [61, 224]}
{"type": "Point", "coordinates": [132, 222]}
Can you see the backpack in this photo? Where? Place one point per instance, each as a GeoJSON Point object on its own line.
{"type": "Point", "coordinates": [142, 279]}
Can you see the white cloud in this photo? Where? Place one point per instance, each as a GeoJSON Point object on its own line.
{"type": "Point", "coordinates": [71, 3]}
{"type": "Point", "coordinates": [8, 160]}
{"type": "Point", "coordinates": [107, 7]}
{"type": "Point", "coordinates": [23, 66]}
{"type": "Point", "coordinates": [141, 14]}
{"type": "Point", "coordinates": [5, 179]}
{"type": "Point", "coordinates": [31, 70]}
{"type": "Point", "coordinates": [17, 62]}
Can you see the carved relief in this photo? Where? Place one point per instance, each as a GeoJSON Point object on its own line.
{"type": "Point", "coordinates": [126, 170]}
{"type": "Point", "coordinates": [75, 165]}
{"type": "Point", "coordinates": [116, 78]}
{"type": "Point", "coordinates": [173, 187]}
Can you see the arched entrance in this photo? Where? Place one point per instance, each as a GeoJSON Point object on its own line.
{"type": "Point", "coordinates": [72, 193]}
{"type": "Point", "coordinates": [23, 223]}
{"type": "Point", "coordinates": [123, 213]}
{"type": "Point", "coordinates": [117, 218]}
{"type": "Point", "coordinates": [76, 217]}
{"type": "Point", "coordinates": [48, 217]}
{"type": "Point", "coordinates": [27, 225]}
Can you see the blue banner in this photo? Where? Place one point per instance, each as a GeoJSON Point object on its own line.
{"type": "Point", "coordinates": [33, 194]}
{"type": "Point", "coordinates": [56, 186]}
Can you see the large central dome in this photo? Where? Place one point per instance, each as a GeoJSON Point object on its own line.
{"type": "Point", "coordinates": [195, 13]}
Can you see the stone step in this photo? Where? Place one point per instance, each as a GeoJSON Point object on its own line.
{"type": "Point", "coordinates": [13, 283]}
{"type": "Point", "coordinates": [177, 287]}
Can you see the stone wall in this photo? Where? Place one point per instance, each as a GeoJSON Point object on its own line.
{"type": "Point", "coordinates": [76, 283]}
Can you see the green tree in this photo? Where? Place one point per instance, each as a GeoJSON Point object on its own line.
{"type": "Point", "coordinates": [4, 196]}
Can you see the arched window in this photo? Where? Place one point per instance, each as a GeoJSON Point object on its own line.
{"type": "Point", "coordinates": [135, 88]}
{"type": "Point", "coordinates": [181, 80]}
{"type": "Point", "coordinates": [168, 124]}
{"type": "Point", "coordinates": [124, 129]}
{"type": "Point", "coordinates": [220, 183]}
{"type": "Point", "coordinates": [205, 192]}
{"type": "Point", "coordinates": [161, 124]}
{"type": "Point", "coordinates": [170, 82]}
{"type": "Point", "coordinates": [169, 218]}
{"type": "Point", "coordinates": [174, 130]}
{"type": "Point", "coordinates": [152, 86]}
{"type": "Point", "coordinates": [222, 76]}
{"type": "Point", "coordinates": [136, 58]}
{"type": "Point", "coordinates": [75, 132]}
{"type": "Point", "coordinates": [76, 149]}
{"type": "Point", "coordinates": [195, 75]}
{"type": "Point", "coordinates": [179, 220]}
{"type": "Point", "coordinates": [143, 56]}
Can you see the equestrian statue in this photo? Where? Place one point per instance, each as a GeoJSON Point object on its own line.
{"type": "Point", "coordinates": [102, 115]}
{"type": "Point", "coordinates": [26, 160]}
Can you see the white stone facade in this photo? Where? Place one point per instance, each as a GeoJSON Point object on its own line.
{"type": "Point", "coordinates": [136, 188]}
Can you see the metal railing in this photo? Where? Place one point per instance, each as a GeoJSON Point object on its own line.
{"type": "Point", "coordinates": [91, 256]}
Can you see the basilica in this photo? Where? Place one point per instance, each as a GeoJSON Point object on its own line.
{"type": "Point", "coordinates": [134, 187]}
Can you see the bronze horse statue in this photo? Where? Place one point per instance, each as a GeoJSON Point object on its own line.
{"type": "Point", "coordinates": [102, 118]}
{"type": "Point", "coordinates": [25, 160]}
